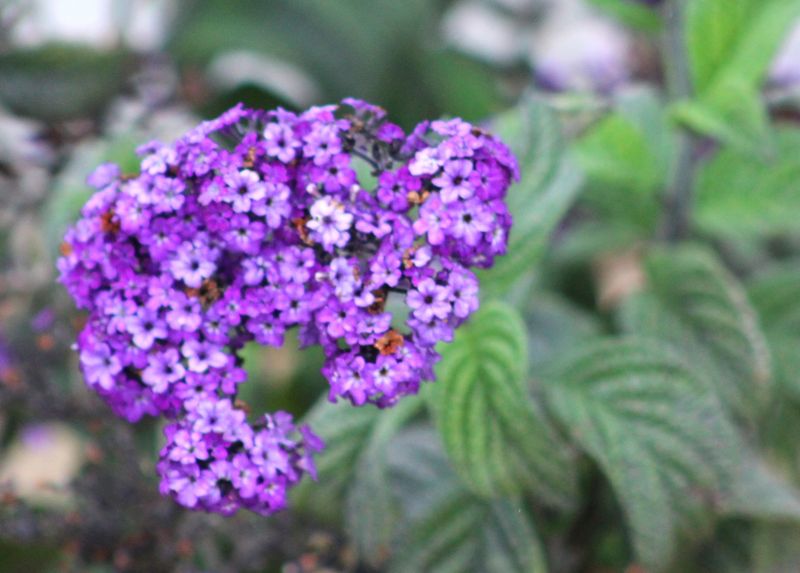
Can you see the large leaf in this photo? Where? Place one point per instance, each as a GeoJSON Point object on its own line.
{"type": "Point", "coordinates": [775, 297]}
{"type": "Point", "coordinates": [497, 440]}
{"type": "Point", "coordinates": [627, 158]}
{"type": "Point", "coordinates": [447, 529]}
{"type": "Point", "coordinates": [696, 306]}
{"type": "Point", "coordinates": [549, 186]}
{"type": "Point", "coordinates": [371, 511]}
{"type": "Point", "coordinates": [655, 429]}
{"type": "Point", "coordinates": [739, 194]}
{"type": "Point", "coordinates": [731, 45]}
{"type": "Point", "coordinates": [735, 39]}
{"type": "Point", "coordinates": [758, 491]}
{"type": "Point", "coordinates": [555, 326]}
{"type": "Point", "coordinates": [346, 430]}
{"type": "Point", "coordinates": [633, 14]}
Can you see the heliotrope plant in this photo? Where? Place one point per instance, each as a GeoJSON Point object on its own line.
{"type": "Point", "coordinates": [255, 223]}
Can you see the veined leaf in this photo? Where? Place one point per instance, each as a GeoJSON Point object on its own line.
{"type": "Point", "coordinates": [555, 326]}
{"type": "Point", "coordinates": [631, 14]}
{"type": "Point", "coordinates": [735, 39]}
{"type": "Point", "coordinates": [345, 431]}
{"type": "Point", "coordinates": [739, 194]}
{"type": "Point", "coordinates": [654, 428]}
{"type": "Point", "coordinates": [449, 530]}
{"type": "Point", "coordinates": [731, 45]}
{"type": "Point", "coordinates": [696, 306]}
{"type": "Point", "coordinates": [497, 440]}
{"type": "Point", "coordinates": [775, 298]}
{"type": "Point", "coordinates": [371, 511]}
{"type": "Point", "coordinates": [549, 186]}
{"type": "Point", "coordinates": [627, 158]}
{"type": "Point", "coordinates": [757, 491]}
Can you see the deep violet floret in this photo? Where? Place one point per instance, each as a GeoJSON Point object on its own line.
{"type": "Point", "coordinates": [256, 223]}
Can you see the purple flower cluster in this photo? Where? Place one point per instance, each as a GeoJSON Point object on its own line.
{"type": "Point", "coordinates": [255, 223]}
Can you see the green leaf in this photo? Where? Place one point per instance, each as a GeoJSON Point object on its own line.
{"type": "Point", "coordinates": [371, 511]}
{"type": "Point", "coordinates": [739, 194]}
{"type": "Point", "coordinates": [631, 14]}
{"type": "Point", "coordinates": [555, 326]}
{"type": "Point", "coordinates": [731, 45]}
{"type": "Point", "coordinates": [735, 40]}
{"type": "Point", "coordinates": [549, 186]}
{"type": "Point", "coordinates": [449, 530]}
{"type": "Point", "coordinates": [497, 440]}
{"type": "Point", "coordinates": [693, 304]}
{"type": "Point", "coordinates": [346, 430]}
{"type": "Point", "coordinates": [733, 114]}
{"type": "Point", "coordinates": [627, 158]}
{"type": "Point", "coordinates": [655, 429]}
{"type": "Point", "coordinates": [775, 297]}
{"type": "Point", "coordinates": [757, 491]}
{"type": "Point", "coordinates": [57, 82]}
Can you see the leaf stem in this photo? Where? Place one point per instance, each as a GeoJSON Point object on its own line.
{"type": "Point", "coordinates": [679, 197]}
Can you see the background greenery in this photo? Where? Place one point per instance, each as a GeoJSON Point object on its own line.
{"type": "Point", "coordinates": [628, 396]}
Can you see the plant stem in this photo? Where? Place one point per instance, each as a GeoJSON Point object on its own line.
{"type": "Point", "coordinates": [678, 201]}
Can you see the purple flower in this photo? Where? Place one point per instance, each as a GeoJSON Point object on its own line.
{"type": "Point", "coordinates": [163, 369]}
{"type": "Point", "coordinates": [280, 142]}
{"type": "Point", "coordinates": [146, 327]}
{"type": "Point", "coordinates": [457, 181]}
{"type": "Point", "coordinates": [203, 355]}
{"type": "Point", "coordinates": [429, 301]}
{"type": "Point", "coordinates": [243, 189]}
{"type": "Point", "coordinates": [210, 248]}
{"type": "Point", "coordinates": [100, 365]}
{"type": "Point", "coordinates": [330, 223]}
{"type": "Point", "coordinates": [193, 264]}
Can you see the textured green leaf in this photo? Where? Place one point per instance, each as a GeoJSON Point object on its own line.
{"type": "Point", "coordinates": [627, 158]}
{"type": "Point", "coordinates": [733, 114]}
{"type": "Point", "coordinates": [555, 326]}
{"type": "Point", "coordinates": [449, 530]}
{"type": "Point", "coordinates": [731, 45]}
{"type": "Point", "coordinates": [631, 14]}
{"type": "Point", "coordinates": [775, 297]}
{"type": "Point", "coordinates": [693, 304]}
{"type": "Point", "coordinates": [739, 194]}
{"type": "Point", "coordinates": [497, 440]}
{"type": "Point", "coordinates": [346, 430]}
{"type": "Point", "coordinates": [371, 512]}
{"type": "Point", "coordinates": [735, 39]}
{"type": "Point", "coordinates": [758, 491]}
{"type": "Point", "coordinates": [549, 186]}
{"type": "Point", "coordinates": [654, 428]}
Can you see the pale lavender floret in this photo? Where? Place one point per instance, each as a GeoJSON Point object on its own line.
{"type": "Point", "coordinates": [203, 355]}
{"type": "Point", "coordinates": [243, 188]}
{"type": "Point", "coordinates": [429, 301]}
{"type": "Point", "coordinates": [193, 263]}
{"type": "Point", "coordinates": [330, 223]}
{"type": "Point", "coordinates": [146, 327]}
{"type": "Point", "coordinates": [281, 142]}
{"type": "Point", "coordinates": [100, 365]}
{"type": "Point", "coordinates": [456, 182]}
{"type": "Point", "coordinates": [163, 369]}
